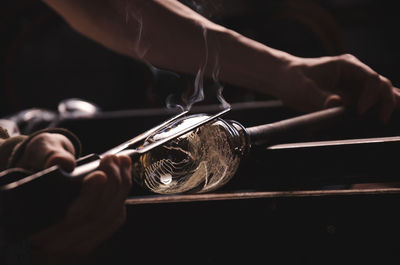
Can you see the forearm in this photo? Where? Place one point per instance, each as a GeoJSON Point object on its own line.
{"type": "Point", "coordinates": [170, 35]}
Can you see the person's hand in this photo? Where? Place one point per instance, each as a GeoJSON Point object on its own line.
{"type": "Point", "coordinates": [93, 217]}
{"type": "Point", "coordinates": [96, 213]}
{"type": "Point", "coordinates": [309, 84]}
{"type": "Point", "coordinates": [48, 149]}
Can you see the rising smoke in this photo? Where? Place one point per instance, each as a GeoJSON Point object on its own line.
{"type": "Point", "coordinates": [191, 93]}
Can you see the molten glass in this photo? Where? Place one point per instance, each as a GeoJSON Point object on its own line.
{"type": "Point", "coordinates": [199, 161]}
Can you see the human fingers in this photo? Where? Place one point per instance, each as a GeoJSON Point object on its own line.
{"type": "Point", "coordinates": [88, 216]}
{"type": "Point", "coordinates": [396, 93]}
{"type": "Point", "coordinates": [118, 170]}
{"type": "Point", "coordinates": [118, 186]}
{"type": "Point", "coordinates": [351, 66]}
{"type": "Point", "coordinates": [62, 153]}
{"type": "Point", "coordinates": [113, 208]}
{"type": "Point", "coordinates": [307, 95]}
{"type": "Point", "coordinates": [333, 100]}
{"type": "Point", "coordinates": [378, 91]}
{"type": "Point", "coordinates": [113, 181]}
{"type": "Point", "coordinates": [92, 217]}
{"type": "Point", "coordinates": [368, 87]}
{"type": "Point", "coordinates": [110, 165]}
{"type": "Point", "coordinates": [47, 149]}
{"type": "Point", "coordinates": [370, 93]}
{"type": "Point", "coordinates": [61, 158]}
{"type": "Point", "coordinates": [126, 173]}
{"type": "Point", "coordinates": [115, 216]}
{"type": "Point", "coordinates": [87, 206]}
{"type": "Point", "coordinates": [388, 102]}
{"type": "Point", "coordinates": [81, 214]}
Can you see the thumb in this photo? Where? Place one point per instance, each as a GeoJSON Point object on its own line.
{"type": "Point", "coordinates": [63, 159]}
{"type": "Point", "coordinates": [312, 97]}
{"type": "Point", "coordinates": [333, 100]}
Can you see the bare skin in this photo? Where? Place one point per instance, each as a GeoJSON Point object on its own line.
{"type": "Point", "coordinates": [48, 149]}
{"type": "Point", "coordinates": [96, 213]}
{"type": "Point", "coordinates": [167, 34]}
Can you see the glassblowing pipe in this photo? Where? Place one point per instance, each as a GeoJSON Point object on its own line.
{"type": "Point", "coordinates": [285, 130]}
{"type": "Point", "coordinates": [198, 153]}
{"type": "Point", "coordinates": [43, 197]}
{"type": "Point", "coordinates": [207, 157]}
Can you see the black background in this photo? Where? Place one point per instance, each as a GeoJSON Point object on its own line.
{"type": "Point", "coordinates": [45, 61]}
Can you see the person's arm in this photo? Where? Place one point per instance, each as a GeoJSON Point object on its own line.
{"type": "Point", "coordinates": [167, 34]}
{"type": "Point", "coordinates": [170, 35]}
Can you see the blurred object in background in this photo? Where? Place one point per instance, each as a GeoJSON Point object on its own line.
{"type": "Point", "coordinates": [33, 119]}
{"type": "Point", "coordinates": [10, 126]}
{"type": "Point", "coordinates": [75, 107]}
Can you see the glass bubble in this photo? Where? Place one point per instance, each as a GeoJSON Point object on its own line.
{"type": "Point", "coordinates": [199, 161]}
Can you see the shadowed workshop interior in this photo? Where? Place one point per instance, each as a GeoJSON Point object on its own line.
{"type": "Point", "coordinates": [290, 214]}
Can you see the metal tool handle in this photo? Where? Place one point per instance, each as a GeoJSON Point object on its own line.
{"type": "Point", "coordinates": [286, 130]}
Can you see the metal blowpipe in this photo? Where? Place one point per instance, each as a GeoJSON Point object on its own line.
{"type": "Point", "coordinates": [195, 153]}
{"type": "Point", "coordinates": [206, 158]}
{"type": "Point", "coordinates": [43, 197]}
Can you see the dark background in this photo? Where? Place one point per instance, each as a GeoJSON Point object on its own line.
{"type": "Point", "coordinates": [45, 61]}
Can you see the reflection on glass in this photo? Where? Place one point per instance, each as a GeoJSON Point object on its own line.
{"type": "Point", "coordinates": [199, 161]}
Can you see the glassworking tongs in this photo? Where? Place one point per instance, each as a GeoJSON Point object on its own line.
{"type": "Point", "coordinates": [31, 202]}
{"type": "Point", "coordinates": [132, 147]}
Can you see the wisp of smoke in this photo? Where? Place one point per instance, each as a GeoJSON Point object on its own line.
{"type": "Point", "coordinates": [188, 98]}
{"type": "Point", "coordinates": [135, 14]}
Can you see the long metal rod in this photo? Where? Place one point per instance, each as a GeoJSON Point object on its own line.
{"type": "Point", "coordinates": [387, 139]}
{"type": "Point", "coordinates": [285, 130]}
{"type": "Point", "coordinates": [91, 166]}
{"type": "Point", "coordinates": [86, 168]}
{"type": "Point", "coordinates": [143, 135]}
{"type": "Point", "coordinates": [230, 196]}
{"type": "Point", "coordinates": [173, 136]}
